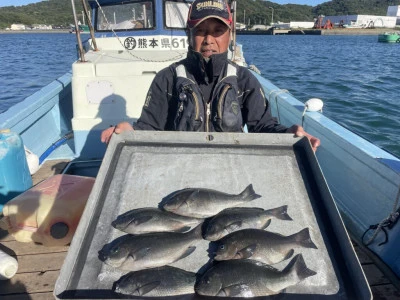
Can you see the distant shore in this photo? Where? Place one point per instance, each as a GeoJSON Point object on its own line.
{"type": "Point", "coordinates": [34, 31]}
{"type": "Point", "coordinates": [335, 31]}
{"type": "Point", "coordinates": [356, 31]}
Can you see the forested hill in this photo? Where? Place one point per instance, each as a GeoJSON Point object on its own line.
{"type": "Point", "coordinates": [59, 12]}
{"type": "Point", "coordinates": [49, 12]}
{"type": "Point", "coordinates": [260, 12]}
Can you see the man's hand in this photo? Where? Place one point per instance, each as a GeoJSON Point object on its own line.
{"type": "Point", "coordinates": [121, 127]}
{"type": "Point", "coordinates": [299, 131]}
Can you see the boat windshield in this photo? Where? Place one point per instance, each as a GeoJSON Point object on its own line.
{"type": "Point", "coordinates": [176, 14]}
{"type": "Point", "coordinates": [133, 16]}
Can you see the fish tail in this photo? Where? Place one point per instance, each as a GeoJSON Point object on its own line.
{"type": "Point", "coordinates": [298, 266]}
{"type": "Point", "coordinates": [279, 213]}
{"type": "Point", "coordinates": [303, 238]}
{"type": "Point", "coordinates": [249, 194]}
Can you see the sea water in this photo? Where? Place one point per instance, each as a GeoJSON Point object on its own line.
{"type": "Point", "coordinates": [357, 78]}
{"type": "Point", "coordinates": [29, 61]}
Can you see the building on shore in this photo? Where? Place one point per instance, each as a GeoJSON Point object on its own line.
{"type": "Point", "coordinates": [293, 25]}
{"type": "Point", "coordinates": [305, 25]}
{"type": "Point", "coordinates": [42, 27]}
{"type": "Point", "coordinates": [17, 27]}
{"type": "Point", "coordinates": [240, 26]}
{"type": "Point", "coordinates": [391, 19]}
{"type": "Point", "coordinates": [394, 11]}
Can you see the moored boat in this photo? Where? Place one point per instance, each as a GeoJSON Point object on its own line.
{"type": "Point", "coordinates": [83, 28]}
{"type": "Point", "coordinates": [109, 85]}
{"type": "Point", "coordinates": [389, 37]}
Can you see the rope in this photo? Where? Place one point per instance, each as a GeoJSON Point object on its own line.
{"type": "Point", "coordinates": [179, 55]}
{"type": "Point", "coordinates": [277, 92]}
{"type": "Point", "coordinates": [387, 222]}
{"type": "Point", "coordinates": [255, 69]}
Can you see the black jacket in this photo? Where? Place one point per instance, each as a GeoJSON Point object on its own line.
{"type": "Point", "coordinates": [161, 102]}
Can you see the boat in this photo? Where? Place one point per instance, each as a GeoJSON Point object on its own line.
{"type": "Point", "coordinates": [83, 28]}
{"type": "Point", "coordinates": [129, 43]}
{"type": "Point", "coordinates": [389, 37]}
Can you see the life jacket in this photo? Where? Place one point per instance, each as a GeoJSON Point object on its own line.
{"type": "Point", "coordinates": [222, 113]}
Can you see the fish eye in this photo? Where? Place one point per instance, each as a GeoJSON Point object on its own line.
{"type": "Point", "coordinates": [114, 250]}
{"type": "Point", "coordinates": [222, 247]}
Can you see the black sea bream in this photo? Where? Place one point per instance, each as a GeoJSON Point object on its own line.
{"type": "Point", "coordinates": [248, 278]}
{"type": "Point", "coordinates": [261, 245]}
{"type": "Point", "coordinates": [149, 219]}
{"type": "Point", "coordinates": [137, 252]}
{"type": "Point", "coordinates": [237, 218]}
{"type": "Point", "coordinates": [203, 203]}
{"type": "Point", "coordinates": [157, 282]}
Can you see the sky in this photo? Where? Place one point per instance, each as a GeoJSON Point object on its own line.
{"type": "Point", "coordinates": [302, 2]}
{"type": "Point", "coordinates": [25, 2]}
{"type": "Point", "coordinates": [16, 2]}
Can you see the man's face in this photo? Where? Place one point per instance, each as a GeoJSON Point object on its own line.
{"type": "Point", "coordinates": [211, 36]}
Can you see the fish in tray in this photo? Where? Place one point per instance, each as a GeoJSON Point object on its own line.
{"type": "Point", "coordinates": [249, 278]}
{"type": "Point", "coordinates": [137, 252]}
{"type": "Point", "coordinates": [237, 218]}
{"type": "Point", "coordinates": [261, 245]}
{"type": "Point", "coordinates": [151, 219]}
{"type": "Point", "coordinates": [157, 282]}
{"type": "Point", "coordinates": [204, 203]}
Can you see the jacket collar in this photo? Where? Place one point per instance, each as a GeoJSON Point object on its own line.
{"type": "Point", "coordinates": [205, 70]}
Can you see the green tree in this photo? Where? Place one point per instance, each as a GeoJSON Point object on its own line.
{"type": "Point", "coordinates": [59, 12]}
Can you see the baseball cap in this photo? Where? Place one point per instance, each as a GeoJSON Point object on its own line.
{"type": "Point", "coordinates": [201, 10]}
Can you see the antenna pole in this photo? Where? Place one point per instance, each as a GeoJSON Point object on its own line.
{"type": "Point", "coordinates": [78, 33]}
{"type": "Point", "coordinates": [90, 25]}
{"type": "Point", "coordinates": [233, 9]}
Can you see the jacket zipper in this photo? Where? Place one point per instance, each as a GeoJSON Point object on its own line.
{"type": "Point", "coordinates": [208, 113]}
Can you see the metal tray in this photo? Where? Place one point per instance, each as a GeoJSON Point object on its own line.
{"type": "Point", "coordinates": [140, 168]}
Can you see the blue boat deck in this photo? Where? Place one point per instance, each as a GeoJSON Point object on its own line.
{"type": "Point", "coordinates": [39, 266]}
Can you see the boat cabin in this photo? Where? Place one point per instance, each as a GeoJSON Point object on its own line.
{"type": "Point", "coordinates": [135, 40]}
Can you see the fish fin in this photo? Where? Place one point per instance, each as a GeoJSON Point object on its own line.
{"type": "Point", "coordinates": [145, 289]}
{"type": "Point", "coordinates": [187, 252]}
{"type": "Point", "coordinates": [269, 267]}
{"type": "Point", "coordinates": [303, 238]}
{"type": "Point", "coordinates": [142, 252]}
{"type": "Point", "coordinates": [289, 254]}
{"type": "Point", "coordinates": [141, 220]}
{"type": "Point", "coordinates": [234, 226]}
{"type": "Point", "coordinates": [266, 224]}
{"type": "Point", "coordinates": [246, 252]}
{"type": "Point", "coordinates": [298, 266]}
{"type": "Point", "coordinates": [236, 290]}
{"type": "Point", "coordinates": [183, 229]}
{"type": "Point", "coordinates": [279, 213]}
{"type": "Point", "coordinates": [249, 194]}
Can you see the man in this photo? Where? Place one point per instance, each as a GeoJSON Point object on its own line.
{"type": "Point", "coordinates": [206, 91]}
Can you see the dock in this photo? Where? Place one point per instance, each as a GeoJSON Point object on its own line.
{"type": "Point", "coordinates": [39, 266]}
{"type": "Point", "coordinates": [303, 31]}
